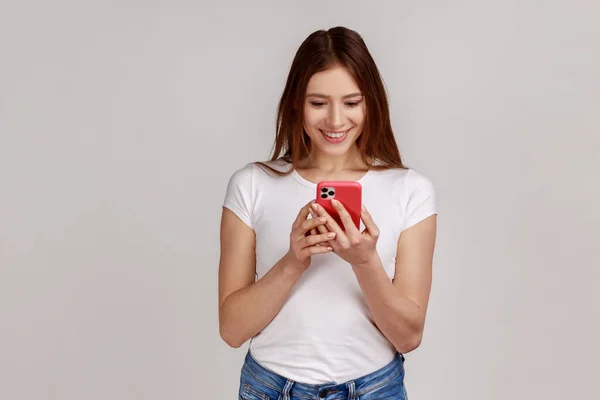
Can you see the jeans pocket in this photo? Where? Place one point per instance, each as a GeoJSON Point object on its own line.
{"type": "Point", "coordinates": [392, 389]}
{"type": "Point", "coordinates": [250, 393]}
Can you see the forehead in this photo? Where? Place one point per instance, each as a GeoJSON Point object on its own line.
{"type": "Point", "coordinates": [334, 82]}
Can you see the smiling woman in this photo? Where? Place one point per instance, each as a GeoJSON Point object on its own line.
{"type": "Point", "coordinates": [333, 117]}
{"type": "Point", "coordinates": [334, 82]}
{"type": "Point", "coordinates": [329, 309]}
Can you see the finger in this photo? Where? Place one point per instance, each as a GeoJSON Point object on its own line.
{"type": "Point", "coordinates": [316, 239]}
{"type": "Point", "coordinates": [345, 217]}
{"type": "Point", "coordinates": [303, 214]}
{"type": "Point", "coordinates": [312, 250]}
{"type": "Point", "coordinates": [310, 224]}
{"type": "Point", "coordinates": [331, 224]}
{"type": "Point", "coordinates": [321, 228]}
{"type": "Point", "coordinates": [313, 231]}
{"type": "Point", "coordinates": [370, 225]}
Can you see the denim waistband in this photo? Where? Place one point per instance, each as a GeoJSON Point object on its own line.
{"type": "Point", "coordinates": [350, 389]}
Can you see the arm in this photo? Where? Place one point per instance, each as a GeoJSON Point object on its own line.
{"type": "Point", "coordinates": [246, 307]}
{"type": "Point", "coordinates": [399, 306]}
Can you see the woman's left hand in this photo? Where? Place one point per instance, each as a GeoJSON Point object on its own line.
{"type": "Point", "coordinates": [355, 247]}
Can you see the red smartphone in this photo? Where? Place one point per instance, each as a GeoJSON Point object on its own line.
{"type": "Point", "coordinates": [349, 193]}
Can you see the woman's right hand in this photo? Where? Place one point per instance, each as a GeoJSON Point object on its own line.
{"type": "Point", "coordinates": [304, 244]}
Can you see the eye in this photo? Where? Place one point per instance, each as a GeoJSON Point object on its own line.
{"type": "Point", "coordinates": [352, 103]}
{"type": "Point", "coordinates": [316, 104]}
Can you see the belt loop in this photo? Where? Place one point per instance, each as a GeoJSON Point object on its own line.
{"type": "Point", "coordinates": [351, 393]}
{"type": "Point", "coordinates": [286, 390]}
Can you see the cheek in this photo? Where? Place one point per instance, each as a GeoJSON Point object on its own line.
{"type": "Point", "coordinates": [358, 117]}
{"type": "Point", "coordinates": [311, 118]}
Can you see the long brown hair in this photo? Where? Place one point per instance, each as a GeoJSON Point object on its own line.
{"type": "Point", "coordinates": [322, 50]}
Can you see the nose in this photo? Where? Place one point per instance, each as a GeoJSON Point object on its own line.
{"type": "Point", "coordinates": [335, 117]}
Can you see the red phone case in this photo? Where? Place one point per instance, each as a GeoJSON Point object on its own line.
{"type": "Point", "coordinates": [349, 193]}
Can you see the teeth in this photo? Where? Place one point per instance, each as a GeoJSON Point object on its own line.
{"type": "Point", "coordinates": [335, 135]}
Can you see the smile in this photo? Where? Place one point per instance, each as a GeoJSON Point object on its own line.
{"type": "Point", "coordinates": [335, 137]}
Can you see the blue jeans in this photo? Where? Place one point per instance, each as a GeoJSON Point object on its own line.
{"type": "Point", "coordinates": [259, 383]}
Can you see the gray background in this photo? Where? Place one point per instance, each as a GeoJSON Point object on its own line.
{"type": "Point", "coordinates": [121, 122]}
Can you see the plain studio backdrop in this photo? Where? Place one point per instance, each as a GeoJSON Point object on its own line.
{"type": "Point", "coordinates": [121, 123]}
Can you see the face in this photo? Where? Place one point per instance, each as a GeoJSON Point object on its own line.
{"type": "Point", "coordinates": [334, 111]}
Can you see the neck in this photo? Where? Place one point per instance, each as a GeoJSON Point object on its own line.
{"type": "Point", "coordinates": [332, 164]}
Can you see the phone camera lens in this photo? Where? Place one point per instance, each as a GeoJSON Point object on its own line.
{"type": "Point", "coordinates": [331, 193]}
{"type": "Point", "coordinates": [324, 196]}
{"type": "Point", "coordinates": [324, 190]}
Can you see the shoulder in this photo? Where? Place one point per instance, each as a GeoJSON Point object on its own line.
{"type": "Point", "coordinates": [416, 181]}
{"type": "Point", "coordinates": [242, 175]}
{"type": "Point", "coordinates": [279, 165]}
{"type": "Point", "coordinates": [405, 180]}
{"type": "Point", "coordinates": [258, 172]}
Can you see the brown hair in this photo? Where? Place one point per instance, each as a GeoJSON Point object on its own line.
{"type": "Point", "coordinates": [322, 50]}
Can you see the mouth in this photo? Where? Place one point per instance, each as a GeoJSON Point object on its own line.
{"type": "Point", "coordinates": [335, 137]}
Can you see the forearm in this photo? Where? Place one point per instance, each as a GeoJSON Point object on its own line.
{"type": "Point", "coordinates": [397, 316]}
{"type": "Point", "coordinates": [248, 311]}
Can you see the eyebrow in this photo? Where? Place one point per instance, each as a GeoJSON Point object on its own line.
{"type": "Point", "coordinates": [326, 97]}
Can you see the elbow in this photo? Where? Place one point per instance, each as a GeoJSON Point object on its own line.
{"type": "Point", "coordinates": [409, 344]}
{"type": "Point", "coordinates": [233, 344]}
{"type": "Point", "coordinates": [231, 341]}
{"type": "Point", "coordinates": [229, 337]}
{"type": "Point", "coordinates": [226, 332]}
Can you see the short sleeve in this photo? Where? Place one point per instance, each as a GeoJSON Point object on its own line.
{"type": "Point", "coordinates": [420, 202]}
{"type": "Point", "coordinates": [238, 197]}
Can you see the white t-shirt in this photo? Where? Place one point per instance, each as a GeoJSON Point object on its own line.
{"type": "Point", "coordinates": [324, 332]}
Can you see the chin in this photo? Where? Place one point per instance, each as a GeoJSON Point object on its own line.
{"type": "Point", "coordinates": [336, 151]}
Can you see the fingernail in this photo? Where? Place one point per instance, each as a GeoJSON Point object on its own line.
{"type": "Point", "coordinates": [330, 248]}
{"type": "Point", "coordinates": [363, 207]}
{"type": "Point", "coordinates": [331, 234]}
{"type": "Point", "coordinates": [315, 206]}
{"type": "Point", "coordinates": [334, 202]}
{"type": "Point", "coordinates": [322, 219]}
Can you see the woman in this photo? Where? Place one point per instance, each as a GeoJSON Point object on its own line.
{"type": "Point", "coordinates": [330, 310]}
